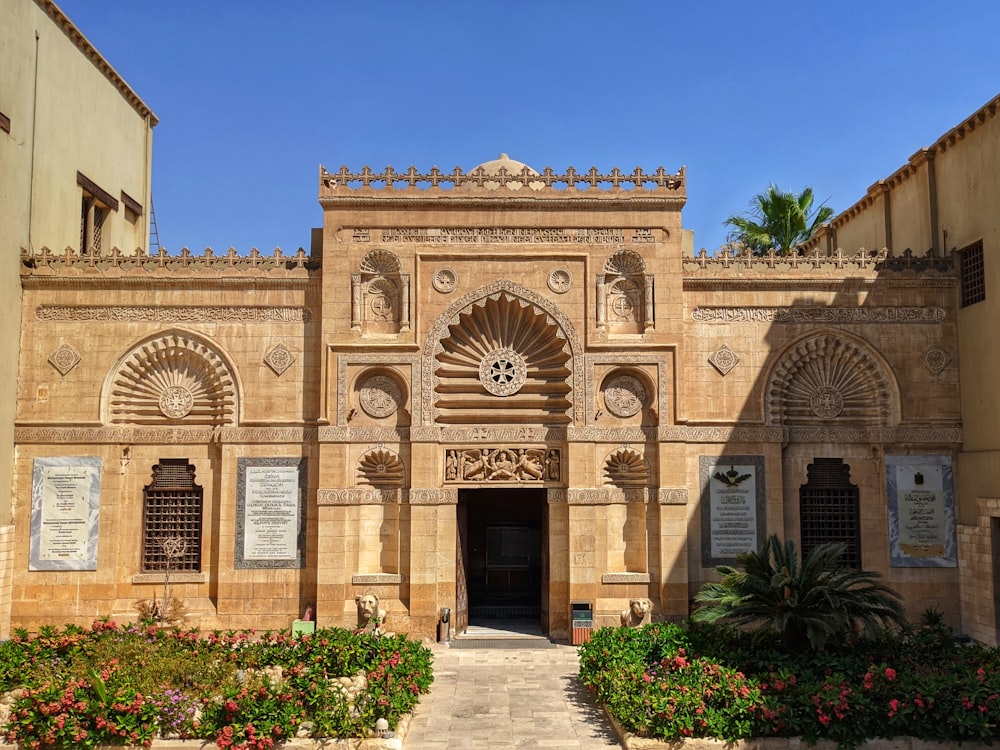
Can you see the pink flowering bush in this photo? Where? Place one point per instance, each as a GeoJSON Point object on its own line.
{"type": "Point", "coordinates": [672, 682]}
{"type": "Point", "coordinates": [127, 685]}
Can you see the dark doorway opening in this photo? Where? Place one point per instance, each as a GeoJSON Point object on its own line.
{"type": "Point", "coordinates": [501, 555]}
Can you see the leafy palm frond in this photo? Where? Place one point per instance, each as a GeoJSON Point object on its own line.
{"type": "Point", "coordinates": [778, 220]}
{"type": "Point", "coordinates": [817, 601]}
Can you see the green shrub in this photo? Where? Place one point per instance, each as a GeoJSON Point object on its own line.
{"type": "Point", "coordinates": [672, 682]}
{"type": "Point", "coordinates": [129, 684]}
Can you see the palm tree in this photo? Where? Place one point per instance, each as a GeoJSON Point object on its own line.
{"type": "Point", "coordinates": [819, 602]}
{"type": "Point", "coordinates": [778, 219]}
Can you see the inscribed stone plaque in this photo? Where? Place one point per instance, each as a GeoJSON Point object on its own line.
{"type": "Point", "coordinates": [270, 512]}
{"type": "Point", "coordinates": [921, 512]}
{"type": "Point", "coordinates": [65, 510]}
{"type": "Point", "coordinates": [732, 507]}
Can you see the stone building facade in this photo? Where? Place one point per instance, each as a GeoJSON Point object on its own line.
{"type": "Point", "coordinates": [499, 391]}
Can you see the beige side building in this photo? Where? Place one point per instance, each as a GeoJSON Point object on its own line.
{"type": "Point", "coordinates": [75, 156]}
{"type": "Point", "coordinates": [944, 199]}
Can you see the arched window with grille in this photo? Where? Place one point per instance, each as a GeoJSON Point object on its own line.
{"type": "Point", "coordinates": [171, 519]}
{"type": "Point", "coordinates": [829, 509]}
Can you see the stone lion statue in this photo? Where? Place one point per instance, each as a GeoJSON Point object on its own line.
{"type": "Point", "coordinates": [638, 613]}
{"type": "Point", "coordinates": [371, 618]}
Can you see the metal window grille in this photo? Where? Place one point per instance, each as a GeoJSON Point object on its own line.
{"type": "Point", "coordinates": [98, 226]}
{"type": "Point", "coordinates": [973, 274]}
{"type": "Point", "coordinates": [172, 506]}
{"type": "Point", "coordinates": [829, 509]}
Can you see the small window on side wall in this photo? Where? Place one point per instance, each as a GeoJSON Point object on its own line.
{"type": "Point", "coordinates": [973, 274]}
{"type": "Point", "coordinates": [171, 519]}
{"type": "Point", "coordinates": [829, 509]}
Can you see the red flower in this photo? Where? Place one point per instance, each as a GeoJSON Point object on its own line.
{"type": "Point", "coordinates": [890, 674]}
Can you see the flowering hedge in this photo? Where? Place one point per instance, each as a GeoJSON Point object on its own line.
{"type": "Point", "coordinates": [129, 684]}
{"type": "Point", "coordinates": [673, 681]}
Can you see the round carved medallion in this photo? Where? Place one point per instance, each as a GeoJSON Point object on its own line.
{"type": "Point", "coordinates": [826, 402]}
{"type": "Point", "coordinates": [445, 280]}
{"type": "Point", "coordinates": [502, 372]}
{"type": "Point", "coordinates": [176, 402]}
{"type": "Point", "coordinates": [624, 396]}
{"type": "Point", "coordinates": [560, 281]}
{"type": "Point", "coordinates": [380, 396]}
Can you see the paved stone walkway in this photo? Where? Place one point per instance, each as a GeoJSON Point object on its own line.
{"type": "Point", "coordinates": [517, 698]}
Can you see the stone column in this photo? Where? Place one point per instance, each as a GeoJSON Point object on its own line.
{"type": "Point", "coordinates": [355, 302]}
{"type": "Point", "coordinates": [404, 312]}
{"type": "Point", "coordinates": [649, 318]}
{"type": "Point", "coordinates": [601, 318]}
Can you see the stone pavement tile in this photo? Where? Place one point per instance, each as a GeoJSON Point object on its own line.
{"type": "Point", "coordinates": [503, 698]}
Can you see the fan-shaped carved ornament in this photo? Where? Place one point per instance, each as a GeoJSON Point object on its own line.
{"type": "Point", "coordinates": [829, 377]}
{"type": "Point", "coordinates": [171, 378]}
{"type": "Point", "coordinates": [380, 468]}
{"type": "Point", "coordinates": [381, 262]}
{"type": "Point", "coordinates": [626, 468]}
{"type": "Point", "coordinates": [502, 346]}
{"type": "Point", "coordinates": [625, 263]}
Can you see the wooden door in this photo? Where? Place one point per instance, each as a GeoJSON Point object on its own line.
{"type": "Point", "coordinates": [545, 565]}
{"type": "Point", "coordinates": [460, 617]}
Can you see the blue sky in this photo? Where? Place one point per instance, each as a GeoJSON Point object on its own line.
{"type": "Point", "coordinates": [253, 96]}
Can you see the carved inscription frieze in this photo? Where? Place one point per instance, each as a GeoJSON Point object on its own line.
{"type": "Point", "coordinates": [818, 314]}
{"type": "Point", "coordinates": [510, 235]}
{"type": "Point", "coordinates": [502, 465]}
{"type": "Point", "coordinates": [190, 314]}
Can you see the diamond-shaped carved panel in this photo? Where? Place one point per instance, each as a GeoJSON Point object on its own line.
{"type": "Point", "coordinates": [64, 359]}
{"type": "Point", "coordinates": [935, 359]}
{"type": "Point", "coordinates": [724, 360]}
{"type": "Point", "coordinates": [279, 359]}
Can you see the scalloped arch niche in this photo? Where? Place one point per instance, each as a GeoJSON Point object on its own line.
{"type": "Point", "coordinates": [502, 362]}
{"type": "Point", "coordinates": [172, 379]}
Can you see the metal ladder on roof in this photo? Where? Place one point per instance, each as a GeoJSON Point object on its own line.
{"type": "Point", "coordinates": [154, 233]}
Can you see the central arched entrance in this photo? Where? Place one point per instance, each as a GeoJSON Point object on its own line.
{"type": "Point", "coordinates": [501, 557]}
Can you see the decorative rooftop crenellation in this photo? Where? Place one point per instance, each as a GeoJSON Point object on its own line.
{"type": "Point", "coordinates": [736, 258]}
{"type": "Point", "coordinates": [547, 180]}
{"type": "Point", "coordinates": [115, 263]}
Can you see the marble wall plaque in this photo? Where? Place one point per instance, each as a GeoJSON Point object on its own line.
{"type": "Point", "coordinates": [921, 512]}
{"type": "Point", "coordinates": [270, 512]}
{"type": "Point", "coordinates": [65, 512]}
{"type": "Point", "coordinates": [732, 507]}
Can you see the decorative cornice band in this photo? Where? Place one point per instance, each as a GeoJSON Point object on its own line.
{"type": "Point", "coordinates": [376, 579]}
{"type": "Point", "coordinates": [818, 315]}
{"type": "Point", "coordinates": [118, 435]}
{"type": "Point", "coordinates": [672, 495]}
{"type": "Point", "coordinates": [358, 496]}
{"type": "Point", "coordinates": [737, 434]}
{"type": "Point", "coordinates": [186, 314]}
{"type": "Point", "coordinates": [499, 434]}
{"type": "Point", "coordinates": [432, 496]}
{"type": "Point", "coordinates": [935, 435]}
{"type": "Point", "coordinates": [612, 578]}
{"type": "Point", "coordinates": [340, 434]}
{"type": "Point", "coordinates": [603, 495]}
{"type": "Point", "coordinates": [591, 434]}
